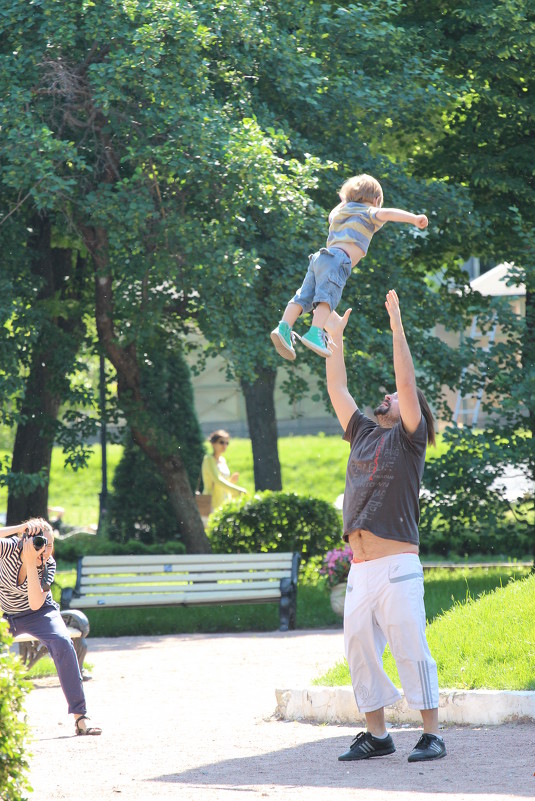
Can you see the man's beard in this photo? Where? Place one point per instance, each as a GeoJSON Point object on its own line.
{"type": "Point", "coordinates": [384, 416]}
{"type": "Point", "coordinates": [382, 409]}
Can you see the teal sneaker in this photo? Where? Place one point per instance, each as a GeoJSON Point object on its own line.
{"type": "Point", "coordinates": [282, 337]}
{"type": "Point", "coordinates": [317, 340]}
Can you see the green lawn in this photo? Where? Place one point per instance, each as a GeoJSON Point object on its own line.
{"type": "Point", "coordinates": [488, 643]}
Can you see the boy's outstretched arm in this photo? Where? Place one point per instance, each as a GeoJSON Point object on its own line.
{"type": "Point", "coordinates": [343, 404]}
{"type": "Point", "coordinates": [399, 215]}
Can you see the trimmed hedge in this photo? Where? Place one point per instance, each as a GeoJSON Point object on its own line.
{"type": "Point", "coordinates": [72, 548]}
{"type": "Point", "coordinates": [13, 728]}
{"type": "Point", "coordinates": [275, 521]}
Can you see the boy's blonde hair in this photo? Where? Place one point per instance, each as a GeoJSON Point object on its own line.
{"type": "Point", "coordinates": [362, 189]}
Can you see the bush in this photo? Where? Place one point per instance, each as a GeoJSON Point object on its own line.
{"type": "Point", "coordinates": [71, 549]}
{"type": "Point", "coordinates": [13, 730]}
{"type": "Point", "coordinates": [139, 504]}
{"type": "Point", "coordinates": [275, 521]}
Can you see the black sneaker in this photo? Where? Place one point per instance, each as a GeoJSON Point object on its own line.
{"type": "Point", "coordinates": [365, 745]}
{"type": "Point", "coordinates": [429, 746]}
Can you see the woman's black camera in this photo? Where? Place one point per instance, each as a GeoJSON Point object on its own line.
{"type": "Point", "coordinates": [39, 542]}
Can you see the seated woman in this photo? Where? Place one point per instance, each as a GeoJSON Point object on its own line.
{"type": "Point", "coordinates": [27, 571]}
{"type": "Point", "coordinates": [216, 477]}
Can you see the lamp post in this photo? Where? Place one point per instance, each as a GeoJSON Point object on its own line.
{"type": "Point", "coordinates": [103, 497]}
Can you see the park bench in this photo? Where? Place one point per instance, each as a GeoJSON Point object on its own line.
{"type": "Point", "coordinates": [31, 650]}
{"type": "Point", "coordinates": [108, 582]}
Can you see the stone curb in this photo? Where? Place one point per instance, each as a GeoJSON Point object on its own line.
{"type": "Point", "coordinates": [475, 707]}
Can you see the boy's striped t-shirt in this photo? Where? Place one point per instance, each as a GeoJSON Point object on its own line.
{"type": "Point", "coordinates": [353, 223]}
{"type": "Point", "coordinates": [14, 597]}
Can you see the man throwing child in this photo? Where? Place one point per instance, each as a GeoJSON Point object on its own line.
{"type": "Point", "coordinates": [385, 590]}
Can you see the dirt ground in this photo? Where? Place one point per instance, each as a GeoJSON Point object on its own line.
{"type": "Point", "coordinates": [190, 717]}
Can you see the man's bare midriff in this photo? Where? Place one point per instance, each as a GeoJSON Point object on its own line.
{"type": "Point", "coordinates": [367, 546]}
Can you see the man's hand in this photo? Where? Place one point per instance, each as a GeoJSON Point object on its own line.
{"type": "Point", "coordinates": [392, 307]}
{"type": "Point", "coordinates": [335, 325]}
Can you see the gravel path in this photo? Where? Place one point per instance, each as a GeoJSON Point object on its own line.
{"type": "Point", "coordinates": [191, 718]}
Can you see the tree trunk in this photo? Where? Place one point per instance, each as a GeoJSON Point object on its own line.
{"type": "Point", "coordinates": [125, 361]}
{"type": "Point", "coordinates": [34, 442]}
{"type": "Point", "coordinates": [182, 500]}
{"type": "Point", "coordinates": [262, 422]}
{"type": "Point", "coordinates": [35, 434]}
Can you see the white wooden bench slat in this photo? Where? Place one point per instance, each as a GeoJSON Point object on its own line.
{"type": "Point", "coordinates": [162, 578]}
{"type": "Point", "coordinates": [173, 599]}
{"type": "Point", "coordinates": [194, 567]}
{"type": "Point", "coordinates": [189, 560]}
{"type": "Point", "coordinates": [244, 588]}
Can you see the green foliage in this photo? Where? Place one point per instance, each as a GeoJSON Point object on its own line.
{"type": "Point", "coordinates": [13, 728]}
{"type": "Point", "coordinates": [72, 548]}
{"type": "Point", "coordinates": [458, 525]}
{"type": "Point", "coordinates": [462, 511]}
{"type": "Point", "coordinates": [485, 142]}
{"type": "Point", "coordinates": [187, 126]}
{"type": "Point", "coordinates": [22, 483]}
{"type": "Point", "coordinates": [275, 521]}
{"type": "Point", "coordinates": [206, 159]}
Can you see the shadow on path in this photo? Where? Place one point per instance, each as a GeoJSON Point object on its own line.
{"type": "Point", "coordinates": [469, 767]}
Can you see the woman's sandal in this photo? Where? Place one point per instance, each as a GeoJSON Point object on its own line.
{"type": "Point", "coordinates": [94, 730]}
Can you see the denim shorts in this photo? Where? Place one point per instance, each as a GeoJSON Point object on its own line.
{"type": "Point", "coordinates": [328, 271]}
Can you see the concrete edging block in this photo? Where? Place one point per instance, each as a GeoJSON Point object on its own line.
{"type": "Point", "coordinates": [475, 707]}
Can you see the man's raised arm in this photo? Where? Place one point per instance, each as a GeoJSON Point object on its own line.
{"type": "Point", "coordinates": [409, 405]}
{"type": "Point", "coordinates": [343, 404]}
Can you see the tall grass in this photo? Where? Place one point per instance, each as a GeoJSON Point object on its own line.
{"type": "Point", "coordinates": [445, 588]}
{"type": "Point", "coordinates": [488, 643]}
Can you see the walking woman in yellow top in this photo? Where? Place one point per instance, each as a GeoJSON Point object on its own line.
{"type": "Point", "coordinates": [216, 477]}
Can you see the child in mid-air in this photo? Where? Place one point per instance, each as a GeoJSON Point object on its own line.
{"type": "Point", "coordinates": [351, 226]}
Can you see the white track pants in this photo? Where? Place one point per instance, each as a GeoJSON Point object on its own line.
{"type": "Point", "coordinates": [385, 604]}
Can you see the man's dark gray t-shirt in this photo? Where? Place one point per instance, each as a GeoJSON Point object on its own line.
{"type": "Point", "coordinates": [383, 477]}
